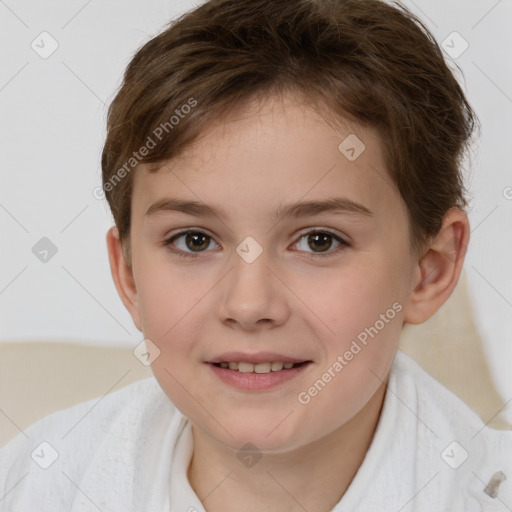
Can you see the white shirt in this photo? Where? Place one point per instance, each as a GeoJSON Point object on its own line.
{"type": "Point", "coordinates": [130, 450]}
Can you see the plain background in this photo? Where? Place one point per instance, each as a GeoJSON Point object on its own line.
{"type": "Point", "coordinates": [53, 113]}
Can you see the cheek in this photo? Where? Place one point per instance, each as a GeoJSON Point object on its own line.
{"type": "Point", "coordinates": [172, 321]}
{"type": "Point", "coordinates": [358, 356]}
{"type": "Point", "coordinates": [167, 295]}
{"type": "Point", "coordinates": [361, 319]}
{"type": "Point", "coordinates": [348, 299]}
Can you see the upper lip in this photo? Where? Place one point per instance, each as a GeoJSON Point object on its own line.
{"type": "Point", "coordinates": [255, 358]}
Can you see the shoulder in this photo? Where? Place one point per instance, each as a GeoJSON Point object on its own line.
{"type": "Point", "coordinates": [96, 412]}
{"type": "Point", "coordinates": [430, 451]}
{"type": "Point", "coordinates": [449, 431]}
{"type": "Point", "coordinates": [429, 398]}
{"type": "Point", "coordinates": [429, 395]}
{"type": "Point", "coordinates": [66, 444]}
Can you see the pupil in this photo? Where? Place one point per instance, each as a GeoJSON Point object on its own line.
{"type": "Point", "coordinates": [322, 237]}
{"type": "Point", "coordinates": [194, 238]}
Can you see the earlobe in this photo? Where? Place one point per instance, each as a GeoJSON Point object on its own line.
{"type": "Point", "coordinates": [122, 274]}
{"type": "Point", "coordinates": [439, 268]}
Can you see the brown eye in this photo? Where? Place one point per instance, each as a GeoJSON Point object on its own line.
{"type": "Point", "coordinates": [197, 241]}
{"type": "Point", "coordinates": [320, 241]}
{"type": "Point", "coordinates": [317, 244]}
{"type": "Point", "coordinates": [189, 244]}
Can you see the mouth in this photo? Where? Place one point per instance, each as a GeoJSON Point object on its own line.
{"type": "Point", "coordinates": [258, 377]}
{"type": "Point", "coordinates": [268, 367]}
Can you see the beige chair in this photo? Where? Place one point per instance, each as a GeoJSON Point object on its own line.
{"type": "Point", "coordinates": [39, 378]}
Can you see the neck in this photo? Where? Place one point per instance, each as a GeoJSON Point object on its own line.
{"type": "Point", "coordinates": [312, 477]}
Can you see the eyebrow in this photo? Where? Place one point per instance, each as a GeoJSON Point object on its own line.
{"type": "Point", "coordinates": [336, 205]}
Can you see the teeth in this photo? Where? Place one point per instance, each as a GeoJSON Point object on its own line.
{"type": "Point", "coordinates": [274, 366]}
{"type": "Point", "coordinates": [247, 367]}
{"type": "Point", "coordinates": [262, 367]}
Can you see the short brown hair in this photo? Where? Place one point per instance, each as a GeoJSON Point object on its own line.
{"type": "Point", "coordinates": [364, 60]}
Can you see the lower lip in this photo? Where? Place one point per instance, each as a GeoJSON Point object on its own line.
{"type": "Point", "coordinates": [257, 381]}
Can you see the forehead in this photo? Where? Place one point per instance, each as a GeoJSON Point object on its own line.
{"type": "Point", "coordinates": [266, 154]}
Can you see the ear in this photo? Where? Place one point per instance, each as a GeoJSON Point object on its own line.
{"type": "Point", "coordinates": [122, 274]}
{"type": "Point", "coordinates": [438, 270]}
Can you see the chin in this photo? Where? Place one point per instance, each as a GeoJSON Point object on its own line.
{"type": "Point", "coordinates": [266, 436]}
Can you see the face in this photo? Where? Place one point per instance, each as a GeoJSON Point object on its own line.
{"type": "Point", "coordinates": [311, 284]}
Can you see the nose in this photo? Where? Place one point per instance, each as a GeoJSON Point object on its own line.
{"type": "Point", "coordinates": [253, 295]}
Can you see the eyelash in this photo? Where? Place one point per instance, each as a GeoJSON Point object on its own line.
{"type": "Point", "coordinates": [182, 254]}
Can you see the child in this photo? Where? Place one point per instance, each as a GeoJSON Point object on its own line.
{"type": "Point", "coordinates": [285, 182]}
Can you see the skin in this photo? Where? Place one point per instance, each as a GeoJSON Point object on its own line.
{"type": "Point", "coordinates": [260, 157]}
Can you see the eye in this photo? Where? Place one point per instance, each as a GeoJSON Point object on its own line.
{"type": "Point", "coordinates": [323, 241]}
{"type": "Point", "coordinates": [196, 241]}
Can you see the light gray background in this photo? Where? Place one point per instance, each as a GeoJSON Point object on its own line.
{"type": "Point", "coordinates": [53, 115]}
